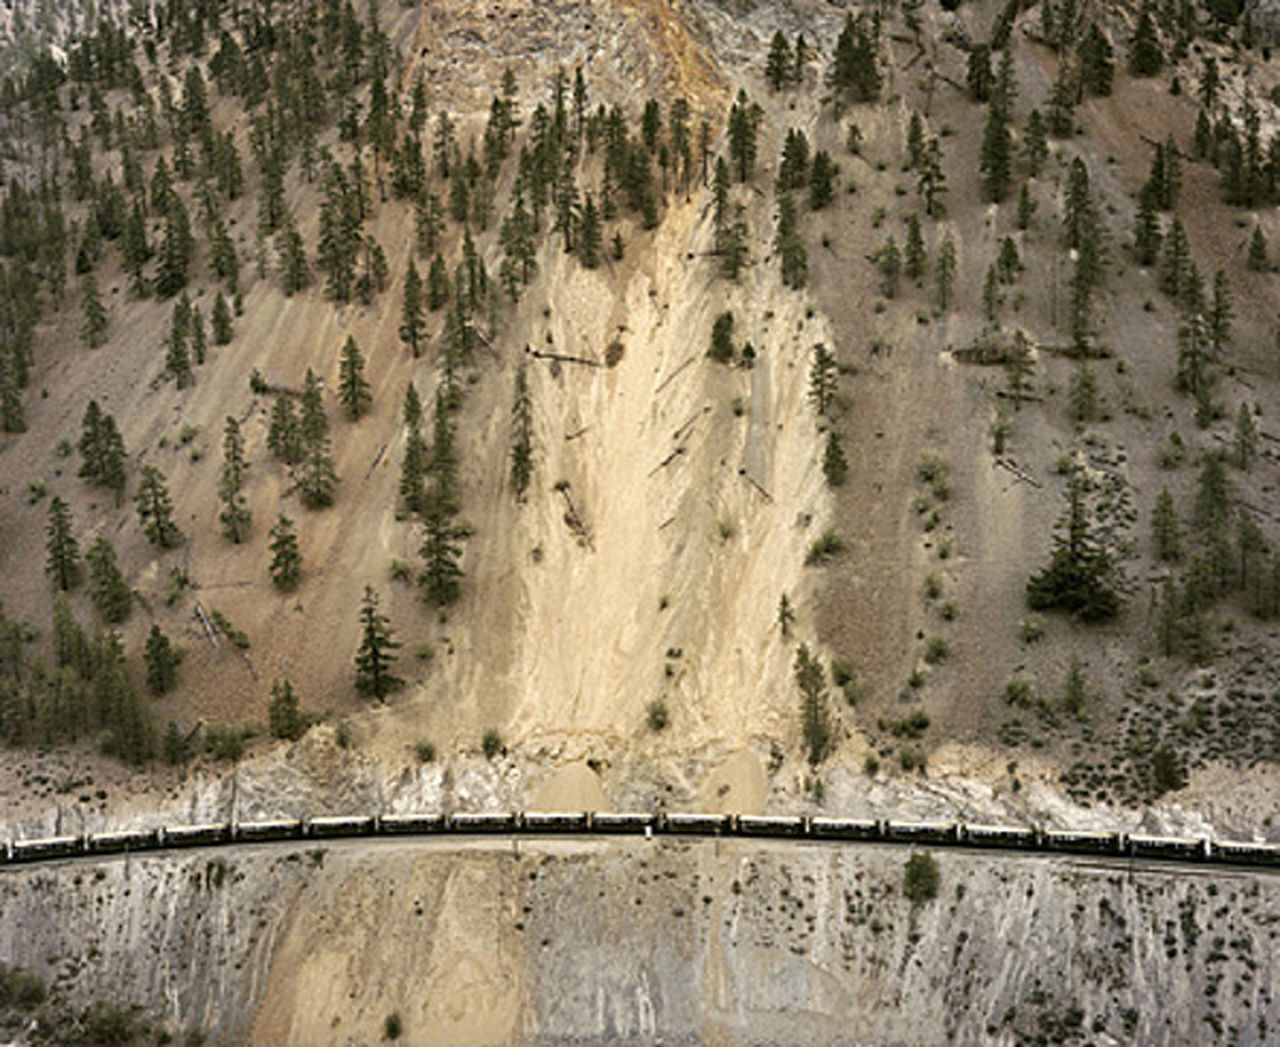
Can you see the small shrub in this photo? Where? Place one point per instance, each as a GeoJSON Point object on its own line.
{"type": "Point", "coordinates": [948, 611]}
{"type": "Point", "coordinates": [20, 988]}
{"type": "Point", "coordinates": [933, 472]}
{"type": "Point", "coordinates": [932, 587]}
{"type": "Point", "coordinates": [425, 752]}
{"type": "Point", "coordinates": [401, 571]}
{"type": "Point", "coordinates": [937, 650]}
{"type": "Point", "coordinates": [225, 741]}
{"type": "Point", "coordinates": [342, 736]}
{"type": "Point", "coordinates": [1017, 692]}
{"type": "Point", "coordinates": [871, 766]}
{"type": "Point", "coordinates": [1031, 629]}
{"type": "Point", "coordinates": [920, 878]}
{"type": "Point", "coordinates": [392, 1028]}
{"type": "Point", "coordinates": [658, 715]}
{"type": "Point", "coordinates": [491, 743]}
{"type": "Point", "coordinates": [824, 548]}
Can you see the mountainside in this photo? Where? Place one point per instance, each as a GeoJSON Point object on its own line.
{"type": "Point", "coordinates": [714, 404]}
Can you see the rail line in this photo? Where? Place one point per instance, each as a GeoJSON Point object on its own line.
{"type": "Point", "coordinates": [1196, 851]}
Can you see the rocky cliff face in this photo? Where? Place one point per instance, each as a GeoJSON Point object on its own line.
{"type": "Point", "coordinates": [724, 942]}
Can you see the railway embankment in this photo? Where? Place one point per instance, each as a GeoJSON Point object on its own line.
{"type": "Point", "coordinates": [633, 939]}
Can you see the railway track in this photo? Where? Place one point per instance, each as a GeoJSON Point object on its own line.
{"type": "Point", "coordinates": [1142, 850]}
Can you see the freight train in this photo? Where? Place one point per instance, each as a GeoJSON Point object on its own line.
{"type": "Point", "coordinates": [531, 823]}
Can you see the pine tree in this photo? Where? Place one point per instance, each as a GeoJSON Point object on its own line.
{"type": "Point", "coordinates": [235, 516]}
{"type": "Point", "coordinates": [438, 290]}
{"type": "Point", "coordinates": [822, 180]}
{"type": "Point", "coordinates": [284, 717]}
{"type": "Point", "coordinates": [62, 563]}
{"type": "Point", "coordinates": [1026, 207]}
{"type": "Point", "coordinates": [793, 257]}
{"type": "Point", "coordinates": [978, 74]}
{"type": "Point", "coordinates": [915, 141]}
{"type": "Point", "coordinates": [199, 343]}
{"type": "Point", "coordinates": [222, 326]}
{"type": "Point", "coordinates": [1220, 314]}
{"type": "Point", "coordinates": [815, 716]}
{"type": "Point", "coordinates": [1062, 102]}
{"type": "Point", "coordinates": [1018, 369]}
{"type": "Point", "coordinates": [889, 265]}
{"type": "Point", "coordinates": [175, 249]}
{"type": "Point", "coordinates": [93, 332]}
{"type": "Point", "coordinates": [835, 466]}
{"type": "Point", "coordinates": [1146, 229]}
{"type": "Point", "coordinates": [13, 418]}
{"type": "Point", "coordinates": [589, 235]}
{"type": "Point", "coordinates": [1259, 261]}
{"type": "Point", "coordinates": [441, 575]}
{"type": "Point", "coordinates": [286, 561]}
{"type": "Point", "coordinates": [108, 590]}
{"type": "Point", "coordinates": [914, 257]}
{"type": "Point", "coordinates": [177, 360]}
{"type": "Point", "coordinates": [521, 435]}
{"type": "Point", "coordinates": [793, 167]}
{"type": "Point", "coordinates": [744, 126]}
{"type": "Point", "coordinates": [162, 662]}
{"type": "Point", "coordinates": [295, 272]}
{"type": "Point", "coordinates": [824, 377]}
{"type": "Point", "coordinates": [353, 389]}
{"type": "Point", "coordinates": [102, 450]}
{"type": "Point", "coordinates": [375, 656]}
{"type": "Point", "coordinates": [284, 436]}
{"type": "Point", "coordinates": [1097, 61]}
{"type": "Point", "coordinates": [932, 181]}
{"type": "Point", "coordinates": [1146, 57]}
{"type": "Point", "coordinates": [1008, 264]}
{"type": "Point", "coordinates": [118, 707]}
{"type": "Point", "coordinates": [721, 348]}
{"type": "Point", "coordinates": [855, 65]}
{"type": "Point", "coordinates": [1166, 529]}
{"type": "Point", "coordinates": [777, 69]}
{"type": "Point", "coordinates": [1081, 576]}
{"type": "Point", "coordinates": [946, 271]}
{"type": "Point", "coordinates": [136, 251]}
{"type": "Point", "coordinates": [316, 476]}
{"type": "Point", "coordinates": [155, 509]}
{"type": "Point", "coordinates": [1175, 263]}
{"type": "Point", "coordinates": [1035, 147]}
{"type": "Point", "coordinates": [1246, 438]}
{"type": "Point", "coordinates": [992, 299]}
{"type": "Point", "coordinates": [786, 616]}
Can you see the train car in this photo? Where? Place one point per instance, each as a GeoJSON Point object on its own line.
{"type": "Point", "coordinates": [124, 840]}
{"type": "Point", "coordinates": [1004, 836]}
{"type": "Point", "coordinates": [556, 821]}
{"type": "Point", "coordinates": [342, 825]}
{"type": "Point", "coordinates": [195, 835]}
{"type": "Point", "coordinates": [274, 829]}
{"type": "Point", "coordinates": [827, 828]}
{"type": "Point", "coordinates": [404, 824]}
{"type": "Point", "coordinates": [6, 852]}
{"type": "Point", "coordinates": [771, 825]}
{"type": "Point", "coordinates": [47, 847]}
{"type": "Point", "coordinates": [485, 822]}
{"type": "Point", "coordinates": [1242, 852]}
{"type": "Point", "coordinates": [923, 832]}
{"type": "Point", "coordinates": [691, 822]}
{"type": "Point", "coordinates": [636, 822]}
{"type": "Point", "coordinates": [1184, 848]}
{"type": "Point", "coordinates": [1080, 842]}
